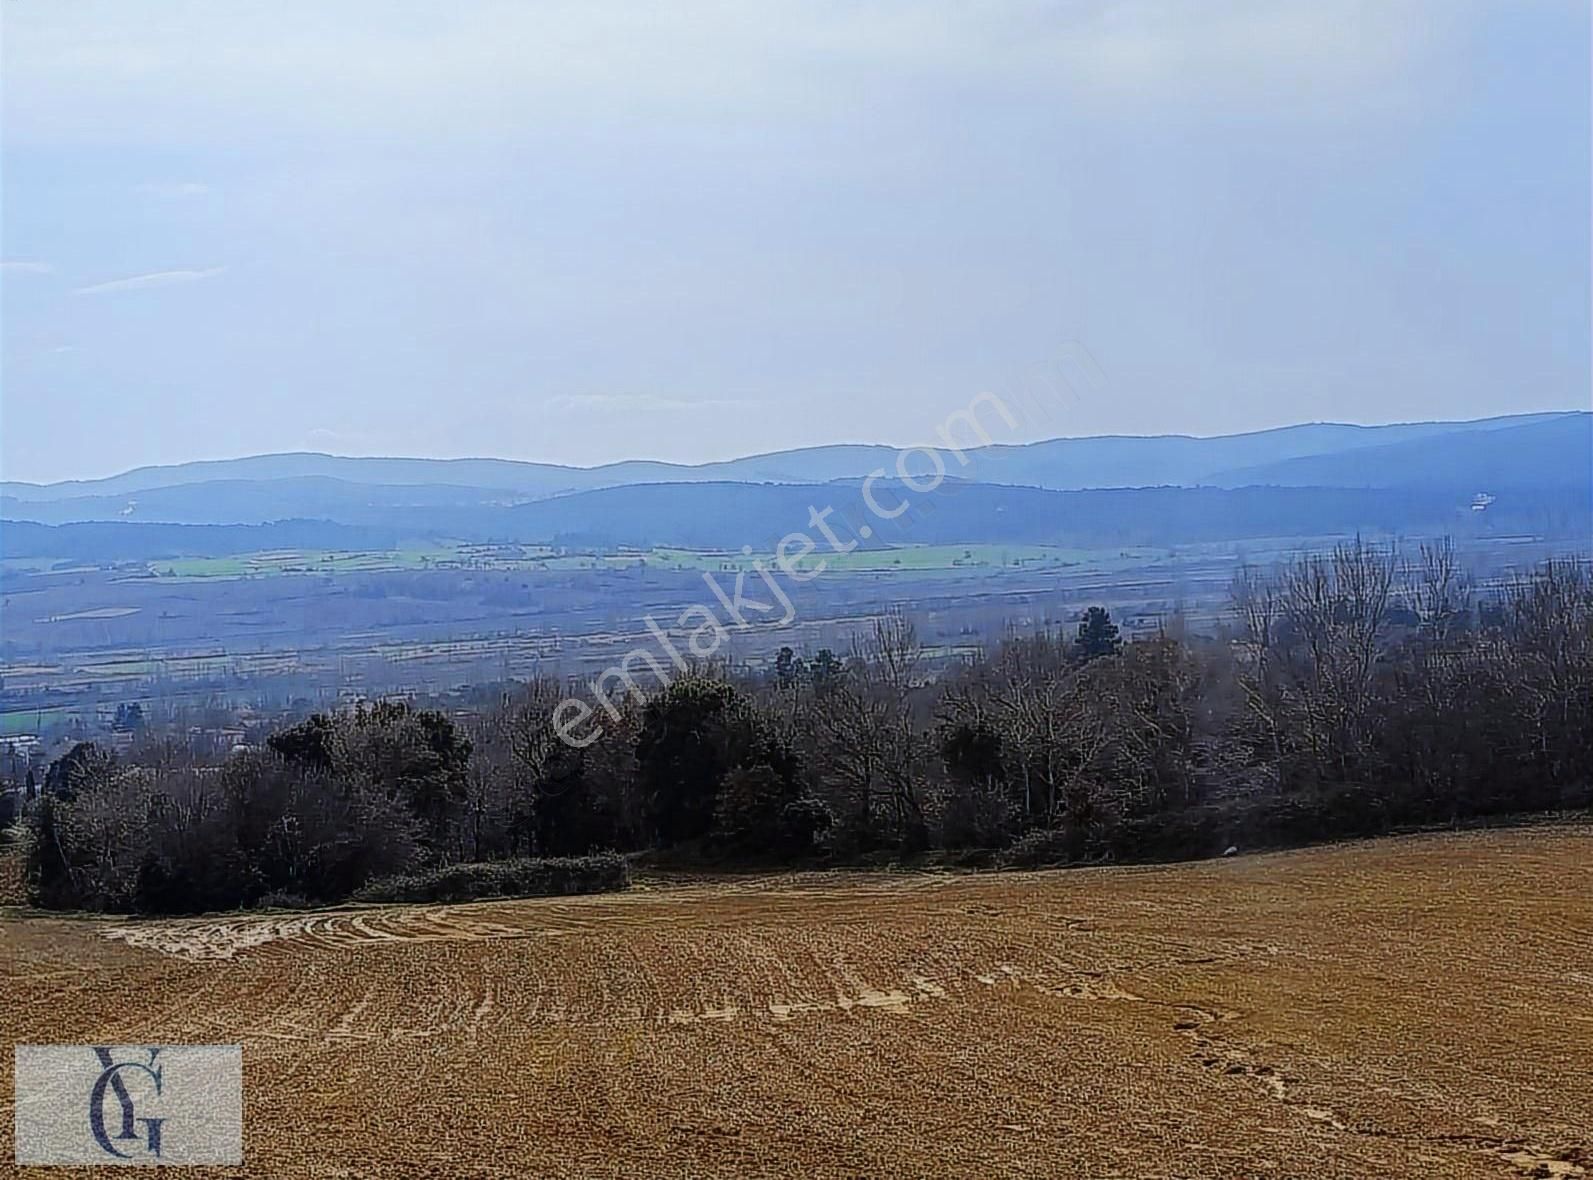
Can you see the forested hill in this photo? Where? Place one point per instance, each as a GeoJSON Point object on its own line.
{"type": "Point", "coordinates": [727, 516]}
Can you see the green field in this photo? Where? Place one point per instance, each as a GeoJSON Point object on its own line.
{"type": "Point", "coordinates": [307, 561]}
{"type": "Point", "coordinates": [906, 558]}
{"type": "Point", "coordinates": [29, 721]}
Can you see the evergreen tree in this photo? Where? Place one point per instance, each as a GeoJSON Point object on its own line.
{"type": "Point", "coordinates": [1097, 635]}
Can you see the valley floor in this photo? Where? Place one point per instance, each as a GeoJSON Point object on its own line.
{"type": "Point", "coordinates": [1414, 1007]}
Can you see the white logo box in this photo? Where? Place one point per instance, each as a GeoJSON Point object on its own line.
{"type": "Point", "coordinates": [129, 1105]}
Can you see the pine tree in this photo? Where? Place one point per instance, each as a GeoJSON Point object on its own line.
{"type": "Point", "coordinates": [1097, 635]}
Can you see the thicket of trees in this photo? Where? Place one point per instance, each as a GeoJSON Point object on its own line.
{"type": "Point", "coordinates": [1353, 693]}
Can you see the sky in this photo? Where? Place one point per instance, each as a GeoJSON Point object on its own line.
{"type": "Point", "coordinates": [589, 231]}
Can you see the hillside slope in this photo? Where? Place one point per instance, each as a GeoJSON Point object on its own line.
{"type": "Point", "coordinates": [1557, 452]}
{"type": "Point", "coordinates": [1242, 1017]}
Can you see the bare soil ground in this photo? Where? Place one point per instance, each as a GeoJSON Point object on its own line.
{"type": "Point", "coordinates": [1418, 1007]}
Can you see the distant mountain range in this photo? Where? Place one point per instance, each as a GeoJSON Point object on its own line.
{"type": "Point", "coordinates": [1317, 478]}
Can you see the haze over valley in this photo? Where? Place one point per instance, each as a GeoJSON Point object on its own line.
{"type": "Point", "coordinates": [311, 577]}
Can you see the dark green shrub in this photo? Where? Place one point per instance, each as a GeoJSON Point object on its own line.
{"type": "Point", "coordinates": [1043, 847]}
{"type": "Point", "coordinates": [555, 876]}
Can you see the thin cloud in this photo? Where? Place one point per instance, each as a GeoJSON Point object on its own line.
{"type": "Point", "coordinates": [18, 267]}
{"type": "Point", "coordinates": [640, 401]}
{"type": "Point", "coordinates": [158, 278]}
{"type": "Point", "coordinates": [347, 65]}
{"type": "Point", "coordinates": [325, 437]}
{"type": "Point", "coordinates": [168, 188]}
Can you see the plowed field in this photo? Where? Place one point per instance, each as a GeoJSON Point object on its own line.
{"type": "Point", "coordinates": [1419, 1007]}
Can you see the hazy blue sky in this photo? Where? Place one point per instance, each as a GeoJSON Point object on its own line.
{"type": "Point", "coordinates": [592, 230]}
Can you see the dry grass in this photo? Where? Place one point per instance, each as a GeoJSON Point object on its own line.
{"type": "Point", "coordinates": [1420, 1007]}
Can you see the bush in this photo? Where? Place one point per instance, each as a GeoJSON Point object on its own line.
{"type": "Point", "coordinates": [805, 824]}
{"type": "Point", "coordinates": [1043, 847]}
{"type": "Point", "coordinates": [1184, 834]}
{"type": "Point", "coordinates": [127, 839]}
{"type": "Point", "coordinates": [694, 735]}
{"type": "Point", "coordinates": [1192, 833]}
{"type": "Point", "coordinates": [976, 816]}
{"type": "Point", "coordinates": [557, 876]}
{"type": "Point", "coordinates": [283, 901]}
{"type": "Point", "coordinates": [760, 816]}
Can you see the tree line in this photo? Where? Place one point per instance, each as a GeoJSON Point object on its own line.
{"type": "Point", "coordinates": [1352, 693]}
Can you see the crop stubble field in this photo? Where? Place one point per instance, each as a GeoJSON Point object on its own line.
{"type": "Point", "coordinates": [1414, 1007]}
